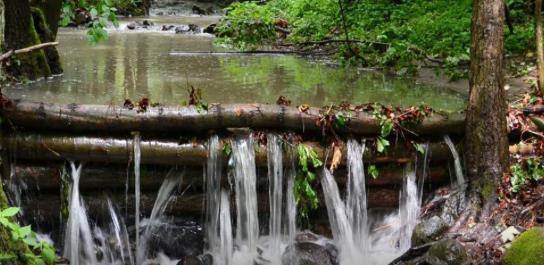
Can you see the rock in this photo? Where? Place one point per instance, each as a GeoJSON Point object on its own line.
{"type": "Point", "coordinates": [160, 13]}
{"type": "Point", "coordinates": [167, 27]}
{"type": "Point", "coordinates": [446, 252]}
{"type": "Point", "coordinates": [527, 249]}
{"type": "Point", "coordinates": [147, 23]}
{"type": "Point", "coordinates": [428, 230]}
{"type": "Point", "coordinates": [198, 10]}
{"type": "Point", "coordinates": [209, 11]}
{"type": "Point", "coordinates": [194, 28]}
{"type": "Point", "coordinates": [131, 26]}
{"type": "Point", "coordinates": [182, 29]}
{"type": "Point", "coordinates": [509, 234]}
{"type": "Point", "coordinates": [210, 29]}
{"type": "Point", "coordinates": [180, 239]}
{"type": "Point", "coordinates": [309, 253]}
{"type": "Point", "coordinates": [206, 259]}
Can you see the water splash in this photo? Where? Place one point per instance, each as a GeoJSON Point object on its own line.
{"type": "Point", "coordinates": [78, 240]}
{"type": "Point", "coordinates": [275, 180]}
{"type": "Point", "coordinates": [456, 160]}
{"type": "Point", "coordinates": [356, 201]}
{"type": "Point", "coordinates": [172, 181]}
{"type": "Point", "coordinates": [245, 177]}
{"type": "Point", "coordinates": [291, 226]}
{"type": "Point", "coordinates": [137, 158]}
{"type": "Point", "coordinates": [409, 208]}
{"type": "Point", "coordinates": [213, 186]}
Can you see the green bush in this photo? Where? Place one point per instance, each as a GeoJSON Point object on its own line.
{"type": "Point", "coordinates": [527, 249]}
{"type": "Point", "coordinates": [395, 34]}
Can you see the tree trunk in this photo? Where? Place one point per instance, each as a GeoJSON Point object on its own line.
{"type": "Point", "coordinates": [177, 120]}
{"type": "Point", "coordinates": [46, 35]}
{"type": "Point", "coordinates": [486, 130]}
{"type": "Point", "coordinates": [1, 35]}
{"type": "Point", "coordinates": [51, 10]}
{"type": "Point", "coordinates": [539, 45]}
{"type": "Point", "coordinates": [20, 33]}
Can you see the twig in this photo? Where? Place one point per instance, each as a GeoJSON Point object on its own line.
{"type": "Point", "coordinates": [26, 50]}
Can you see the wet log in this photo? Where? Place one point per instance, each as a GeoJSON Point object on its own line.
{"type": "Point", "coordinates": [162, 152]}
{"type": "Point", "coordinates": [114, 178]}
{"type": "Point", "coordinates": [177, 120]}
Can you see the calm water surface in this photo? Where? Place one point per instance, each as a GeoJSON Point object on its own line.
{"type": "Point", "coordinates": [160, 65]}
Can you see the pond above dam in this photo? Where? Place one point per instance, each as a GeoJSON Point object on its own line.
{"type": "Point", "coordinates": [162, 65]}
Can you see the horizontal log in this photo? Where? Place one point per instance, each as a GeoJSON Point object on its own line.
{"type": "Point", "coordinates": [114, 178]}
{"type": "Point", "coordinates": [161, 152]}
{"type": "Point", "coordinates": [176, 120]}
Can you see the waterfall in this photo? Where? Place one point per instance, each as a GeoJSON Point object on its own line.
{"type": "Point", "coordinates": [275, 183]}
{"type": "Point", "coordinates": [423, 167]}
{"type": "Point", "coordinates": [291, 211]}
{"type": "Point", "coordinates": [247, 225]}
{"type": "Point", "coordinates": [456, 161]}
{"type": "Point", "coordinates": [225, 246]}
{"type": "Point", "coordinates": [408, 208]}
{"type": "Point", "coordinates": [114, 243]}
{"type": "Point", "coordinates": [137, 157]}
{"type": "Point", "coordinates": [168, 186]}
{"type": "Point", "coordinates": [78, 239]}
{"type": "Point", "coordinates": [213, 186]}
{"type": "Point", "coordinates": [341, 228]}
{"type": "Point", "coordinates": [356, 204]}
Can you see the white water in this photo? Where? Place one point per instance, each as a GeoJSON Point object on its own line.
{"type": "Point", "coordinates": [78, 240]}
{"type": "Point", "coordinates": [137, 158]}
{"type": "Point", "coordinates": [356, 202]}
{"type": "Point", "coordinates": [275, 190]}
{"type": "Point", "coordinates": [349, 222]}
{"type": "Point", "coordinates": [456, 160]}
{"type": "Point", "coordinates": [213, 185]}
{"type": "Point", "coordinates": [245, 177]}
{"type": "Point", "coordinates": [172, 181]}
{"type": "Point", "coordinates": [114, 242]}
{"type": "Point", "coordinates": [225, 246]}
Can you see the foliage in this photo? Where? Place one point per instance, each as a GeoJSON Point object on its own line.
{"type": "Point", "coordinates": [42, 253]}
{"type": "Point", "coordinates": [373, 171]}
{"type": "Point", "coordinates": [530, 169]}
{"type": "Point", "coordinates": [100, 12]}
{"type": "Point", "coordinates": [397, 34]}
{"type": "Point", "coordinates": [527, 249]}
{"type": "Point", "coordinates": [195, 99]}
{"type": "Point", "coordinates": [386, 126]}
{"type": "Point", "coordinates": [305, 195]}
{"type": "Point", "coordinates": [247, 24]}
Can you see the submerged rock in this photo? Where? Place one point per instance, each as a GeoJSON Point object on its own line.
{"type": "Point", "coordinates": [182, 239]}
{"type": "Point", "coordinates": [311, 249]}
{"type": "Point", "coordinates": [131, 26]}
{"type": "Point", "coordinates": [194, 28]}
{"type": "Point", "coordinates": [167, 27]}
{"type": "Point", "coordinates": [182, 29]}
{"type": "Point", "coordinates": [527, 249]}
{"type": "Point", "coordinates": [210, 29]}
{"type": "Point", "coordinates": [198, 10]}
{"type": "Point", "coordinates": [446, 252]}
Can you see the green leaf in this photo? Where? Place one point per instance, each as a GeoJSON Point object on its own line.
{"type": "Point", "coordinates": [419, 148]}
{"type": "Point", "coordinates": [381, 144]}
{"type": "Point", "coordinates": [94, 12]}
{"type": "Point", "coordinates": [9, 212]}
{"type": "Point", "coordinates": [48, 255]}
{"type": "Point", "coordinates": [373, 171]}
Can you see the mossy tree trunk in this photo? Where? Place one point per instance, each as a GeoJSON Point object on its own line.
{"type": "Point", "coordinates": [51, 11]}
{"type": "Point", "coordinates": [486, 130]}
{"type": "Point", "coordinates": [24, 27]}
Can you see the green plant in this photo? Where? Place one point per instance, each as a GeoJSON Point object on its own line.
{"type": "Point", "coordinates": [527, 249]}
{"type": "Point", "coordinates": [305, 195]}
{"type": "Point", "coordinates": [530, 169]}
{"type": "Point", "coordinates": [41, 252]}
{"type": "Point", "coordinates": [101, 11]}
{"type": "Point", "coordinates": [373, 171]}
{"type": "Point", "coordinates": [386, 126]}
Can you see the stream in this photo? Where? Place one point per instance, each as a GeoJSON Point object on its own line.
{"type": "Point", "coordinates": [233, 212]}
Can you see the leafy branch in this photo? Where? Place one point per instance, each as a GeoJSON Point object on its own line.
{"type": "Point", "coordinates": [305, 195]}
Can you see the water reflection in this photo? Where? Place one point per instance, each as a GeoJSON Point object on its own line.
{"type": "Point", "coordinates": [137, 64]}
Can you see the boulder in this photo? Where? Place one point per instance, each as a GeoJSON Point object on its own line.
{"type": "Point", "coordinates": [181, 239]}
{"type": "Point", "coordinates": [198, 10]}
{"type": "Point", "coordinates": [210, 29]}
{"type": "Point", "coordinates": [147, 23]}
{"type": "Point", "coordinates": [131, 26]}
{"type": "Point", "coordinates": [167, 27]}
{"type": "Point", "coordinates": [527, 249]}
{"type": "Point", "coordinates": [310, 249]}
{"type": "Point", "coordinates": [446, 252]}
{"type": "Point", "coordinates": [194, 28]}
{"type": "Point", "coordinates": [428, 230]}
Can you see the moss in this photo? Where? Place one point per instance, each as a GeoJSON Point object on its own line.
{"type": "Point", "coordinates": [45, 35]}
{"type": "Point", "coordinates": [488, 189]}
{"type": "Point", "coordinates": [446, 252]}
{"type": "Point", "coordinates": [527, 249]}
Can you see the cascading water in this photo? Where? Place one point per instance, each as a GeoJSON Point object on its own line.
{"type": "Point", "coordinates": [137, 158]}
{"type": "Point", "coordinates": [225, 248]}
{"type": "Point", "coordinates": [356, 202]}
{"type": "Point", "coordinates": [173, 180]}
{"type": "Point", "coordinates": [245, 178]}
{"type": "Point", "coordinates": [409, 208]}
{"type": "Point", "coordinates": [114, 243]}
{"type": "Point", "coordinates": [275, 182]}
{"type": "Point", "coordinates": [78, 240]}
{"type": "Point", "coordinates": [456, 161]}
{"type": "Point", "coordinates": [213, 186]}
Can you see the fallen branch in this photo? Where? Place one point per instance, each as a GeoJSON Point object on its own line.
{"type": "Point", "coordinates": [26, 50]}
